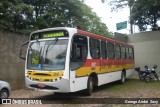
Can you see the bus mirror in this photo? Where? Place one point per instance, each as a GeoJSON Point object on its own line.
{"type": "Point", "coordinates": [23, 50]}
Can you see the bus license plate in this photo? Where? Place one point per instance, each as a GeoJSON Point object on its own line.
{"type": "Point", "coordinates": [41, 85]}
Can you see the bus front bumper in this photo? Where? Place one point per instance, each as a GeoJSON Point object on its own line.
{"type": "Point", "coordinates": [62, 85]}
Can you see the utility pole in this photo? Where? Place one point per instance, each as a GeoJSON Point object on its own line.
{"type": "Point", "coordinates": [131, 22]}
{"type": "Point", "coordinates": [130, 3]}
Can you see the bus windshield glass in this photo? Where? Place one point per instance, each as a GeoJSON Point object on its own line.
{"type": "Point", "coordinates": [47, 55]}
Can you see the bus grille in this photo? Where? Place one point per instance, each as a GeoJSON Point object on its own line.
{"type": "Point", "coordinates": [44, 76]}
{"type": "Point", "coordinates": [46, 87]}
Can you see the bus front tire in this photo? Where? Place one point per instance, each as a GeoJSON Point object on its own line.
{"type": "Point", "coordinates": [89, 89]}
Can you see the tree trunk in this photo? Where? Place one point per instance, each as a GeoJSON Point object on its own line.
{"type": "Point", "coordinates": [131, 23]}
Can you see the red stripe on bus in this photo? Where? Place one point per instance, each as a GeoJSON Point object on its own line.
{"type": "Point", "coordinates": [102, 62]}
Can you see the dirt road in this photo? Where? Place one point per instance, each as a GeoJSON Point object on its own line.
{"type": "Point", "coordinates": [110, 91]}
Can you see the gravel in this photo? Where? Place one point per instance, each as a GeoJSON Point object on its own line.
{"type": "Point", "coordinates": [100, 92]}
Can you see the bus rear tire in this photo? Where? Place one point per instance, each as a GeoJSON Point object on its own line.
{"type": "Point", "coordinates": [123, 77]}
{"type": "Point", "coordinates": [89, 89]}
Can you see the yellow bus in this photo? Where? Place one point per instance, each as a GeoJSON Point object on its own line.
{"type": "Point", "coordinates": [66, 60]}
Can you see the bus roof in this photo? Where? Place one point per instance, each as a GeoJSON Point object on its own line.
{"type": "Point", "coordinates": [85, 33]}
{"type": "Point", "coordinates": [102, 38]}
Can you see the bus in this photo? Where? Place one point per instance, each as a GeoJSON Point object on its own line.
{"type": "Point", "coordinates": [66, 60]}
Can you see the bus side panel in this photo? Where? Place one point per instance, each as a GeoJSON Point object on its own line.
{"type": "Point", "coordinates": [112, 76]}
{"type": "Point", "coordinates": [129, 72]}
{"type": "Point", "coordinates": [81, 83]}
{"type": "Point", "coordinates": [108, 77]}
{"type": "Point", "coordinates": [72, 81]}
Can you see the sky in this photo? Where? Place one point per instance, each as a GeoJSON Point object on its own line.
{"type": "Point", "coordinates": [103, 10]}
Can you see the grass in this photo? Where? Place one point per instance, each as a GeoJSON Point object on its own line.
{"type": "Point", "coordinates": [132, 85]}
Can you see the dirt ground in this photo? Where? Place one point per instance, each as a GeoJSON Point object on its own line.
{"type": "Point", "coordinates": [99, 92]}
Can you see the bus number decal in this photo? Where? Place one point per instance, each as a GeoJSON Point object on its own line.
{"type": "Point", "coordinates": [93, 65]}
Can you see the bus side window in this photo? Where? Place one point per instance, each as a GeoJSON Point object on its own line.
{"type": "Point", "coordinates": [103, 50]}
{"type": "Point", "coordinates": [117, 52]}
{"type": "Point", "coordinates": [79, 51]}
{"type": "Point", "coordinates": [131, 53]}
{"type": "Point", "coordinates": [127, 53]}
{"type": "Point", "coordinates": [123, 52]}
{"type": "Point", "coordinates": [110, 50]}
{"type": "Point", "coordinates": [94, 48]}
{"type": "Point", "coordinates": [73, 54]}
{"type": "Point", "coordinates": [91, 51]}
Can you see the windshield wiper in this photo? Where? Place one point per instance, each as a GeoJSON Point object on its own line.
{"type": "Point", "coordinates": [40, 54]}
{"type": "Point", "coordinates": [52, 43]}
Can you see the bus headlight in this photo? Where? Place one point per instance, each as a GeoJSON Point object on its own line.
{"type": "Point", "coordinates": [31, 78]}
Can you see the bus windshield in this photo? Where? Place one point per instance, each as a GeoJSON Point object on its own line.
{"type": "Point", "coordinates": [47, 55]}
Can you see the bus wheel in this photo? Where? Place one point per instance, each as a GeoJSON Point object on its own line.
{"type": "Point", "coordinates": [123, 77]}
{"type": "Point", "coordinates": [89, 89]}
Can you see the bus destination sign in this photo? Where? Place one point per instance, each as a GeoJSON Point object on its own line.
{"type": "Point", "coordinates": [55, 34]}
{"type": "Point", "coordinates": [50, 34]}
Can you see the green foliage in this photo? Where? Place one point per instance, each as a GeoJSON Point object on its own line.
{"type": "Point", "coordinates": [92, 23]}
{"type": "Point", "coordinates": [142, 12]}
{"type": "Point", "coordinates": [120, 4]}
{"type": "Point", "coordinates": [14, 15]}
{"type": "Point", "coordinates": [146, 13]}
{"type": "Point", "coordinates": [41, 23]}
{"type": "Point", "coordinates": [25, 16]}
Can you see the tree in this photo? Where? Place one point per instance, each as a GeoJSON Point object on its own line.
{"type": "Point", "coordinates": [119, 4]}
{"type": "Point", "coordinates": [29, 15]}
{"type": "Point", "coordinates": [14, 15]}
{"type": "Point", "coordinates": [143, 13]}
{"type": "Point", "coordinates": [146, 13]}
{"type": "Point", "coordinates": [22, 17]}
{"type": "Point", "coordinates": [55, 13]}
{"type": "Point", "coordinates": [93, 23]}
{"type": "Point", "coordinates": [5, 22]}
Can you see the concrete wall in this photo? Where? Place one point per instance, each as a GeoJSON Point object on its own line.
{"type": "Point", "coordinates": [146, 48]}
{"type": "Point", "coordinates": [11, 66]}
{"type": "Point", "coordinates": [121, 37]}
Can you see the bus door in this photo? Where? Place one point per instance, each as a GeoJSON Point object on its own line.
{"type": "Point", "coordinates": [78, 52]}
{"type": "Point", "coordinates": [78, 58]}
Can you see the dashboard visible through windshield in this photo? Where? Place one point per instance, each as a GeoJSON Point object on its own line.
{"type": "Point", "coordinates": [47, 55]}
